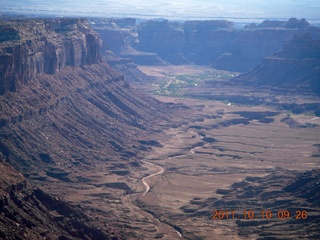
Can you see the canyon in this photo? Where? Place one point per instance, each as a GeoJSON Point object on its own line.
{"type": "Point", "coordinates": [113, 129]}
{"type": "Point", "coordinates": [217, 44]}
{"type": "Point", "coordinates": [74, 116]}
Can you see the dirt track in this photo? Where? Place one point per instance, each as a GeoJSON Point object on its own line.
{"type": "Point", "coordinates": [150, 176]}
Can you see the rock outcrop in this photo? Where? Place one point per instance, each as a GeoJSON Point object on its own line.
{"type": "Point", "coordinates": [296, 66]}
{"type": "Point", "coordinates": [119, 35]}
{"type": "Point", "coordinates": [65, 108]}
{"type": "Point", "coordinates": [29, 48]}
{"type": "Point", "coordinates": [61, 115]}
{"type": "Point", "coordinates": [216, 43]}
{"type": "Point", "coordinates": [127, 67]}
{"type": "Point", "coordinates": [291, 23]}
{"type": "Point", "coordinates": [28, 213]}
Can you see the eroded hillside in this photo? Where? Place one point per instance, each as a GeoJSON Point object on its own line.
{"type": "Point", "coordinates": [67, 118]}
{"type": "Point", "coordinates": [28, 213]}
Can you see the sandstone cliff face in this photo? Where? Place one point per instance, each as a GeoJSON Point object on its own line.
{"type": "Point", "coordinates": [127, 67]}
{"type": "Point", "coordinates": [291, 23]}
{"type": "Point", "coordinates": [64, 105]}
{"type": "Point", "coordinates": [29, 48]}
{"type": "Point", "coordinates": [161, 38]}
{"type": "Point", "coordinates": [215, 43]}
{"type": "Point", "coordinates": [120, 38]}
{"type": "Point", "coordinates": [70, 123]}
{"type": "Point", "coordinates": [61, 115]}
{"type": "Point", "coordinates": [296, 66]}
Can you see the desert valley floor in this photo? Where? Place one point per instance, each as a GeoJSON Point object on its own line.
{"type": "Point", "coordinates": [223, 156]}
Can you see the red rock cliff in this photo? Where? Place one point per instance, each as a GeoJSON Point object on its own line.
{"type": "Point", "coordinates": [32, 47]}
{"type": "Point", "coordinates": [68, 89]}
{"type": "Point", "coordinates": [296, 66]}
{"type": "Point", "coordinates": [217, 43]}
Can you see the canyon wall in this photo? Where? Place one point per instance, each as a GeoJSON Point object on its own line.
{"type": "Point", "coordinates": [31, 47]}
{"type": "Point", "coordinates": [69, 123]}
{"type": "Point", "coordinates": [28, 213]}
{"type": "Point", "coordinates": [295, 67]}
{"type": "Point", "coordinates": [216, 43]}
{"type": "Point", "coordinates": [119, 36]}
{"type": "Point", "coordinates": [57, 95]}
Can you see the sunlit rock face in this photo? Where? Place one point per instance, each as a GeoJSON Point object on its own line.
{"type": "Point", "coordinates": [52, 75]}
{"type": "Point", "coordinates": [32, 47]}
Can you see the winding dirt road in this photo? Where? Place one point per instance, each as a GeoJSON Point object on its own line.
{"type": "Point", "coordinates": [161, 169]}
{"type": "Point", "coordinates": [144, 180]}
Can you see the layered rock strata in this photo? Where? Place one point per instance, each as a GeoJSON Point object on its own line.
{"type": "Point", "coordinates": [29, 48]}
{"type": "Point", "coordinates": [70, 123]}
{"type": "Point", "coordinates": [297, 66]}
{"type": "Point", "coordinates": [60, 100]}
{"type": "Point", "coordinates": [28, 213]}
{"type": "Point", "coordinates": [216, 43]}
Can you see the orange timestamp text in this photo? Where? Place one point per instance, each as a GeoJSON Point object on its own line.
{"type": "Point", "coordinates": [262, 214]}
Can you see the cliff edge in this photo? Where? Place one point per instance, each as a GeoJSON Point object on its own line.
{"type": "Point", "coordinates": [69, 123]}
{"type": "Point", "coordinates": [31, 47]}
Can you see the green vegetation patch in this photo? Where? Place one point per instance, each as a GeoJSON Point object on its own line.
{"type": "Point", "coordinates": [177, 85]}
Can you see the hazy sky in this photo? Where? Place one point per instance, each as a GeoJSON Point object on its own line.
{"type": "Point", "coordinates": [172, 9]}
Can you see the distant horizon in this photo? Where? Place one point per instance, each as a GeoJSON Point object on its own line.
{"type": "Point", "coordinates": [238, 11]}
